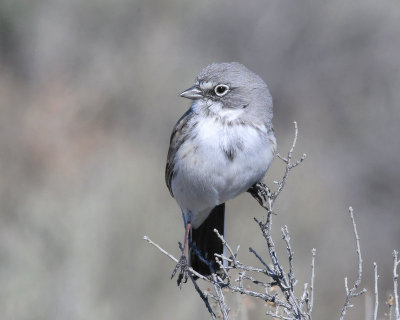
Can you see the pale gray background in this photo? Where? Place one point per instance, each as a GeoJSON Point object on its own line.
{"type": "Point", "coordinates": [88, 98]}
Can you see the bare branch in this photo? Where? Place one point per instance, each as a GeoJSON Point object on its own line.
{"type": "Point", "coordinates": [263, 296]}
{"type": "Point", "coordinates": [203, 297]}
{"type": "Point", "coordinates": [376, 291]}
{"type": "Point", "coordinates": [255, 281]}
{"type": "Point", "coordinates": [304, 296]}
{"type": "Point", "coordinates": [286, 237]}
{"type": "Point", "coordinates": [159, 248]}
{"type": "Point", "coordinates": [220, 298]}
{"type": "Point", "coordinates": [284, 281]}
{"type": "Point", "coordinates": [172, 257]}
{"type": "Point", "coordinates": [226, 245]}
{"type": "Point", "coordinates": [310, 307]}
{"type": "Point", "coordinates": [289, 165]}
{"type": "Point", "coordinates": [268, 269]}
{"type": "Point", "coordinates": [396, 263]}
{"type": "Point", "coordinates": [277, 316]}
{"type": "Point", "coordinates": [217, 283]}
{"type": "Point", "coordinates": [351, 293]}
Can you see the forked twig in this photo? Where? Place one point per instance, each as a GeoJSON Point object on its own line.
{"type": "Point", "coordinates": [351, 293]}
{"type": "Point", "coordinates": [289, 164]}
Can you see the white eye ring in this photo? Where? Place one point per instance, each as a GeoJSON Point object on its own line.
{"type": "Point", "coordinates": [221, 90]}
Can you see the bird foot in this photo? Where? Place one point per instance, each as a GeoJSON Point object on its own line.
{"type": "Point", "coordinates": [259, 190]}
{"type": "Point", "coordinates": [183, 273]}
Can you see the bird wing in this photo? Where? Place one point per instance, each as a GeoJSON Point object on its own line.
{"type": "Point", "coordinates": [178, 136]}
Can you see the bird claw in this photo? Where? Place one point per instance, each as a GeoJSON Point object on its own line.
{"type": "Point", "coordinates": [260, 191]}
{"type": "Point", "coordinates": [262, 188]}
{"type": "Point", "coordinates": [183, 273]}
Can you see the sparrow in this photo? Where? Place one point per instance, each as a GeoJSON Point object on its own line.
{"type": "Point", "coordinates": [222, 146]}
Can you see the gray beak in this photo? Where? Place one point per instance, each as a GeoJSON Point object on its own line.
{"type": "Point", "coordinates": [192, 93]}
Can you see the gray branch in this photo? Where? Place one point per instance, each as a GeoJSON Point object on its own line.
{"type": "Point", "coordinates": [311, 304]}
{"type": "Point", "coordinates": [396, 263]}
{"type": "Point", "coordinates": [289, 165]}
{"type": "Point", "coordinates": [351, 293]}
{"type": "Point", "coordinates": [376, 291]}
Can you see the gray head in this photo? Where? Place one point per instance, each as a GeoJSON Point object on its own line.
{"type": "Point", "coordinates": [231, 90]}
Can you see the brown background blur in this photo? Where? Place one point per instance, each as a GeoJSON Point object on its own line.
{"type": "Point", "coordinates": [88, 98]}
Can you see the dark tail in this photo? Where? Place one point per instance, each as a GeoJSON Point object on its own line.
{"type": "Point", "coordinates": [207, 242]}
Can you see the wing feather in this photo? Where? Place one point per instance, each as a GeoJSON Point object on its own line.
{"type": "Point", "coordinates": [178, 136]}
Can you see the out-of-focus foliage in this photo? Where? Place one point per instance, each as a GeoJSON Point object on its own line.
{"type": "Point", "coordinates": [89, 96]}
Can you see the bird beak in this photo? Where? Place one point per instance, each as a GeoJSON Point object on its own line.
{"type": "Point", "coordinates": [192, 93]}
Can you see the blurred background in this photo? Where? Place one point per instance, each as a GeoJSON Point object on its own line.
{"type": "Point", "coordinates": [88, 99]}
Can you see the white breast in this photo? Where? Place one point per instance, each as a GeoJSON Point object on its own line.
{"type": "Point", "coordinates": [206, 176]}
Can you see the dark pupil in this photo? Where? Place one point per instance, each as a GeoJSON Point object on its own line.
{"type": "Point", "coordinates": [220, 89]}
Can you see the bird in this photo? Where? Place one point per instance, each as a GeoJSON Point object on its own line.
{"type": "Point", "coordinates": [221, 147]}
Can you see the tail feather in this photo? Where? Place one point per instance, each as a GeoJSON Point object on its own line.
{"type": "Point", "coordinates": [207, 242]}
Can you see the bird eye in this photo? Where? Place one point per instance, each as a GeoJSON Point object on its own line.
{"type": "Point", "coordinates": [221, 90]}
